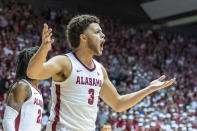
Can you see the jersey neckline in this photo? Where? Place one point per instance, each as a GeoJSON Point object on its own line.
{"type": "Point", "coordinates": [89, 69]}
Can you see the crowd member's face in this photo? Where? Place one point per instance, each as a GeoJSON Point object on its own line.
{"type": "Point", "coordinates": [106, 128]}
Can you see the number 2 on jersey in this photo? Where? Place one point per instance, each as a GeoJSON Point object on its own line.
{"type": "Point", "coordinates": [91, 99]}
{"type": "Point", "coordinates": [39, 116]}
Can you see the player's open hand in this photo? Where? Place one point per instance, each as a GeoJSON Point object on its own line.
{"type": "Point", "coordinates": [158, 84]}
{"type": "Point", "coordinates": [46, 37]}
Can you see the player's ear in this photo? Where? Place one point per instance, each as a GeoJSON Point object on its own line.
{"type": "Point", "coordinates": [83, 37]}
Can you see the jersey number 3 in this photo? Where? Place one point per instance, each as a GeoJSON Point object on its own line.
{"type": "Point", "coordinates": [39, 116]}
{"type": "Point", "coordinates": [91, 99]}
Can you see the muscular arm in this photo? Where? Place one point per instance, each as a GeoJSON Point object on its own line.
{"type": "Point", "coordinates": [120, 103]}
{"type": "Point", "coordinates": [38, 68]}
{"type": "Point", "coordinates": [19, 93]}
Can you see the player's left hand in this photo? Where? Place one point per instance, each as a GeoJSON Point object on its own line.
{"type": "Point", "coordinates": [158, 84]}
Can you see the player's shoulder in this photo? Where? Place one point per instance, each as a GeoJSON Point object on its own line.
{"type": "Point", "coordinates": [61, 58]}
{"type": "Point", "coordinates": [103, 69]}
{"type": "Point", "coordinates": [64, 61]}
{"type": "Point", "coordinates": [105, 75]}
{"type": "Point", "coordinates": [20, 86]}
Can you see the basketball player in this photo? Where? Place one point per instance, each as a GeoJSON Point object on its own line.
{"type": "Point", "coordinates": [24, 106]}
{"type": "Point", "coordinates": [78, 79]}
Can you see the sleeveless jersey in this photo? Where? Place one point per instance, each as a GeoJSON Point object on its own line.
{"type": "Point", "coordinates": [30, 115]}
{"type": "Point", "coordinates": [74, 101]}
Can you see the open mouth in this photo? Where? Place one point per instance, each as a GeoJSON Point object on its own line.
{"type": "Point", "coordinates": [102, 44]}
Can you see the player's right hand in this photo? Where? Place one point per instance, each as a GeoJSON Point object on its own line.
{"type": "Point", "coordinates": [46, 37]}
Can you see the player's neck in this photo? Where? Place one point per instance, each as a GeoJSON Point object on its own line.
{"type": "Point", "coordinates": [85, 57]}
{"type": "Point", "coordinates": [35, 83]}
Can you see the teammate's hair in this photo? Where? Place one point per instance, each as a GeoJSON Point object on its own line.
{"type": "Point", "coordinates": [76, 26]}
{"type": "Point", "coordinates": [22, 63]}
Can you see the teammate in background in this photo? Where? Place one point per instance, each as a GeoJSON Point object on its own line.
{"type": "Point", "coordinates": [78, 79]}
{"type": "Point", "coordinates": [106, 127]}
{"type": "Point", "coordinates": [25, 104]}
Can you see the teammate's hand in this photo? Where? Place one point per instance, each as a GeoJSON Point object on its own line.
{"type": "Point", "coordinates": [46, 37]}
{"type": "Point", "coordinates": [158, 84]}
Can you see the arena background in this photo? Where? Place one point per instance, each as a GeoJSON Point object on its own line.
{"type": "Point", "coordinates": [144, 39]}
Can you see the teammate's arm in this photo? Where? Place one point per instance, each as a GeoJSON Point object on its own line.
{"type": "Point", "coordinates": [19, 93]}
{"type": "Point", "coordinates": [37, 67]}
{"type": "Point", "coordinates": [120, 103]}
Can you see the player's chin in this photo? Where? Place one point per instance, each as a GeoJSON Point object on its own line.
{"type": "Point", "coordinates": [99, 53]}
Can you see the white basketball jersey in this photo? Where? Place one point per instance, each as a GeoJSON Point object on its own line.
{"type": "Point", "coordinates": [30, 115]}
{"type": "Point", "coordinates": [74, 101]}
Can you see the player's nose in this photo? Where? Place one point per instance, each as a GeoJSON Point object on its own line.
{"type": "Point", "coordinates": [102, 35]}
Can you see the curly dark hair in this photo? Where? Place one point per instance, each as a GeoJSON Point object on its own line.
{"type": "Point", "coordinates": [22, 63]}
{"type": "Point", "coordinates": [76, 26]}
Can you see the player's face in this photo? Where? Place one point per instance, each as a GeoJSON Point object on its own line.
{"type": "Point", "coordinates": [95, 38]}
{"type": "Point", "coordinates": [106, 128]}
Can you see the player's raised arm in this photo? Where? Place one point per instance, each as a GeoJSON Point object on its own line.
{"type": "Point", "coordinates": [37, 67]}
{"type": "Point", "coordinates": [19, 93]}
{"type": "Point", "coordinates": [123, 102]}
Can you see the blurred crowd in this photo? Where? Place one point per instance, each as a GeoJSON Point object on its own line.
{"type": "Point", "coordinates": [133, 57]}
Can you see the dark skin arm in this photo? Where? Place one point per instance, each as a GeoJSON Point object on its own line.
{"type": "Point", "coordinates": [19, 93]}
